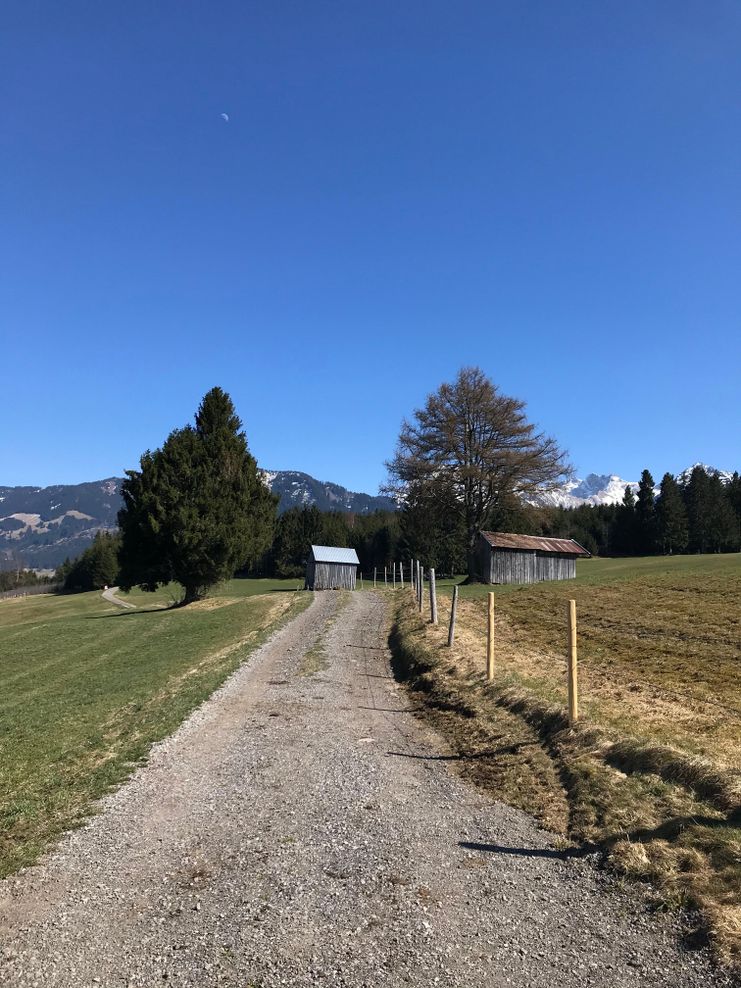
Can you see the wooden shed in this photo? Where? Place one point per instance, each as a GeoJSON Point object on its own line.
{"type": "Point", "coordinates": [331, 568]}
{"type": "Point", "coordinates": [508, 558]}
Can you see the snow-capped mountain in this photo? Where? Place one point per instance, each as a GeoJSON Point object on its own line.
{"type": "Point", "coordinates": [684, 476]}
{"type": "Point", "coordinates": [606, 488]}
{"type": "Point", "coordinates": [595, 488]}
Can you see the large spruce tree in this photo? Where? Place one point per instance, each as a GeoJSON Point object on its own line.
{"type": "Point", "coordinates": [671, 517]}
{"type": "Point", "coordinates": [645, 516]}
{"type": "Point", "coordinates": [723, 528]}
{"type": "Point", "coordinates": [197, 509]}
{"type": "Point", "coordinates": [697, 499]}
{"type": "Point", "coordinates": [624, 528]}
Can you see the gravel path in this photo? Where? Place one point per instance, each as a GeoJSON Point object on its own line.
{"type": "Point", "coordinates": [306, 830]}
{"type": "Point", "coordinates": [109, 594]}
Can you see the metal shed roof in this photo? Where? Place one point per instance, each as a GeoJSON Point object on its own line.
{"type": "Point", "coordinates": [333, 554]}
{"type": "Point", "coordinates": [507, 540]}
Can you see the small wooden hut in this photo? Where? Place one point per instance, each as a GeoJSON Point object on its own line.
{"type": "Point", "coordinates": [331, 568]}
{"type": "Point", "coordinates": [508, 558]}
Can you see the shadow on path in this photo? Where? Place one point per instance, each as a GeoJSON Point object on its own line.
{"type": "Point", "coordinates": [527, 852]}
{"type": "Point", "coordinates": [471, 756]}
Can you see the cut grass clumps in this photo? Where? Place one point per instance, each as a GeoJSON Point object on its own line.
{"type": "Point", "coordinates": [656, 811]}
{"type": "Point", "coordinates": [719, 787]}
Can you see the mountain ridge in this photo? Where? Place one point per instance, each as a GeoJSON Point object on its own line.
{"type": "Point", "coordinates": [41, 526]}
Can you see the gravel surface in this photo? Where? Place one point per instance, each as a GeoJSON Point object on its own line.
{"type": "Point", "coordinates": [306, 830]}
{"type": "Point", "coordinates": [109, 594]}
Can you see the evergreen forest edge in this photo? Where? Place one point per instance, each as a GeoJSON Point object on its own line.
{"type": "Point", "coordinates": [197, 513]}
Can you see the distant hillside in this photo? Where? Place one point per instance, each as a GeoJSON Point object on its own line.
{"type": "Point", "coordinates": [41, 526]}
{"type": "Point", "coordinates": [300, 489]}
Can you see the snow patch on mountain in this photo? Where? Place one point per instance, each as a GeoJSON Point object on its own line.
{"type": "Point", "coordinates": [595, 488]}
{"type": "Point", "coordinates": [724, 475]}
{"type": "Point", "coordinates": [296, 489]}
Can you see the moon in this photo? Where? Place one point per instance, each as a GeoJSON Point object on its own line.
{"type": "Point", "coordinates": [225, 117]}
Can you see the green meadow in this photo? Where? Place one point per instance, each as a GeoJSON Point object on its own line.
{"type": "Point", "coordinates": [88, 687]}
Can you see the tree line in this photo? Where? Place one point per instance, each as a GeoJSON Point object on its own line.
{"type": "Point", "coordinates": [95, 568]}
{"type": "Point", "coordinates": [702, 514]}
{"type": "Point", "coordinates": [17, 578]}
{"type": "Point", "coordinates": [197, 511]}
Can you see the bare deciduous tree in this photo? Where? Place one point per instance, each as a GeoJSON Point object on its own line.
{"type": "Point", "coordinates": [475, 443]}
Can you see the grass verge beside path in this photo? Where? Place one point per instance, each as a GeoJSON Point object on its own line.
{"type": "Point", "coordinates": [652, 774]}
{"type": "Point", "coordinates": [87, 689]}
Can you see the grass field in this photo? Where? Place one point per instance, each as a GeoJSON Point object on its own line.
{"type": "Point", "coordinates": [87, 688]}
{"type": "Point", "coordinates": [653, 772]}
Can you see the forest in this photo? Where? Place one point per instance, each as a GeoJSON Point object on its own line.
{"type": "Point", "coordinates": [703, 515]}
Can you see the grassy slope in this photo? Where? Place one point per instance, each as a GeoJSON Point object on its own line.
{"type": "Point", "coordinates": [87, 688]}
{"type": "Point", "coordinates": [652, 773]}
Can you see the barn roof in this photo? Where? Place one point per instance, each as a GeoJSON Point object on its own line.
{"type": "Point", "coordinates": [506, 540]}
{"type": "Point", "coordinates": [333, 554]}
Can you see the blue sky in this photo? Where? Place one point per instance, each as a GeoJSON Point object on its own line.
{"type": "Point", "coordinates": [550, 191]}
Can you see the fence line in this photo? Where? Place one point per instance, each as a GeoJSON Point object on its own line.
{"type": "Point", "coordinates": [569, 660]}
{"type": "Point", "coordinates": [31, 591]}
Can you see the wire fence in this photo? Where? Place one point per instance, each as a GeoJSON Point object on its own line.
{"type": "Point", "coordinates": [31, 591]}
{"type": "Point", "coordinates": [422, 582]}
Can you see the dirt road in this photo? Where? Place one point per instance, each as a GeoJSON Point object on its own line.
{"type": "Point", "coordinates": [304, 828]}
{"type": "Point", "coordinates": [109, 594]}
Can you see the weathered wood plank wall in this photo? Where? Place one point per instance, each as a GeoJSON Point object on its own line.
{"type": "Point", "coordinates": [524, 565]}
{"type": "Point", "coordinates": [331, 576]}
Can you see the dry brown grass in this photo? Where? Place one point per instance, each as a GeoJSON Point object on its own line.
{"type": "Point", "coordinates": [651, 774]}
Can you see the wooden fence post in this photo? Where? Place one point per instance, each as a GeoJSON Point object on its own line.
{"type": "Point", "coordinates": [394, 572]}
{"type": "Point", "coordinates": [573, 669]}
{"type": "Point", "coordinates": [421, 588]}
{"type": "Point", "coordinates": [374, 577]}
{"type": "Point", "coordinates": [453, 611]}
{"type": "Point", "coordinates": [490, 640]}
{"type": "Point", "coordinates": [385, 581]}
{"type": "Point", "coordinates": [401, 573]}
{"type": "Point", "coordinates": [433, 597]}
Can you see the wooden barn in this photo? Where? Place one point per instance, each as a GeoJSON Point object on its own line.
{"type": "Point", "coordinates": [507, 558]}
{"type": "Point", "coordinates": [331, 568]}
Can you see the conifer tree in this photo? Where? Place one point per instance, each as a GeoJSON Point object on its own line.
{"type": "Point", "coordinates": [645, 516]}
{"type": "Point", "coordinates": [722, 523]}
{"type": "Point", "coordinates": [296, 531]}
{"type": "Point", "coordinates": [624, 528]}
{"type": "Point", "coordinates": [96, 568]}
{"type": "Point", "coordinates": [197, 509]}
{"type": "Point", "coordinates": [697, 501]}
{"type": "Point", "coordinates": [671, 517]}
{"type": "Point", "coordinates": [733, 493]}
